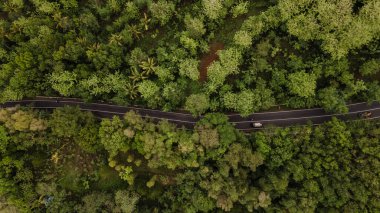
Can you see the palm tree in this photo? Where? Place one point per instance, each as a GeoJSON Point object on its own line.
{"type": "Point", "coordinates": [136, 75]}
{"type": "Point", "coordinates": [134, 29]}
{"type": "Point", "coordinates": [148, 66]}
{"type": "Point", "coordinates": [62, 22]}
{"type": "Point", "coordinates": [131, 88]}
{"type": "Point", "coordinates": [116, 39]}
{"type": "Point", "coordinates": [145, 21]}
{"type": "Point", "coordinates": [82, 40]}
{"type": "Point", "coordinates": [95, 47]}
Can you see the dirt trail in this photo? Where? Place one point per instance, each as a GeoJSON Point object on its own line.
{"type": "Point", "coordinates": [208, 58]}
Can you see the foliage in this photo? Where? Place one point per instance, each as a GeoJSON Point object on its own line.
{"type": "Point", "coordinates": [151, 52]}
{"type": "Point", "coordinates": [126, 200]}
{"type": "Point", "coordinates": [197, 104]}
{"type": "Point", "coordinates": [243, 39]}
{"type": "Point", "coordinates": [336, 25]}
{"type": "Point", "coordinates": [370, 67]}
{"type": "Point", "coordinates": [63, 82]}
{"type": "Point", "coordinates": [162, 10]}
{"type": "Point", "coordinates": [161, 167]}
{"type": "Point", "coordinates": [112, 137]}
{"type": "Point", "coordinates": [189, 68]}
{"type": "Point", "coordinates": [161, 54]}
{"type": "Point", "coordinates": [302, 84]}
{"type": "Point", "coordinates": [239, 9]}
{"type": "Point", "coordinates": [332, 101]}
{"type": "Point", "coordinates": [249, 101]}
{"type": "Point", "coordinates": [213, 9]}
{"type": "Point", "coordinates": [194, 26]}
{"type": "Point", "coordinates": [320, 164]}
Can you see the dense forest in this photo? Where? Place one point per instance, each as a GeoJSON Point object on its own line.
{"type": "Point", "coordinates": [67, 161]}
{"type": "Point", "coordinates": [204, 56]}
{"type": "Point", "coordinates": [201, 55]}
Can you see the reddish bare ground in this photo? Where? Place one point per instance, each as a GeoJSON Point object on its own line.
{"type": "Point", "coordinates": [208, 58]}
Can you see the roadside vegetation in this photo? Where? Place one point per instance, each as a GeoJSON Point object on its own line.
{"type": "Point", "coordinates": [242, 56]}
{"type": "Point", "coordinates": [68, 161]}
{"type": "Point", "coordinates": [204, 56]}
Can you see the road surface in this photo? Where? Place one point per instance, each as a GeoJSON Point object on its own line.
{"type": "Point", "coordinates": [279, 118]}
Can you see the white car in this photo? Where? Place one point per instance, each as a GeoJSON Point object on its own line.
{"type": "Point", "coordinates": [255, 124]}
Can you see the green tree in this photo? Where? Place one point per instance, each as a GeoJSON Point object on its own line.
{"type": "Point", "coordinates": [373, 92]}
{"type": "Point", "coordinates": [249, 101]}
{"type": "Point", "coordinates": [243, 39]}
{"type": "Point", "coordinates": [214, 9]}
{"type": "Point", "coordinates": [240, 9]}
{"type": "Point", "coordinates": [13, 6]}
{"type": "Point", "coordinates": [197, 104]}
{"type": "Point", "coordinates": [112, 136]}
{"type": "Point", "coordinates": [189, 68]}
{"type": "Point", "coordinates": [332, 101]}
{"type": "Point", "coordinates": [334, 23]}
{"type": "Point", "coordinates": [162, 10]}
{"type": "Point", "coordinates": [3, 139]}
{"type": "Point", "coordinates": [63, 82]}
{"type": "Point", "coordinates": [126, 200]}
{"type": "Point", "coordinates": [164, 74]}
{"type": "Point", "coordinates": [242, 102]}
{"type": "Point", "coordinates": [370, 67]}
{"type": "Point", "coordinates": [64, 121]}
{"type": "Point", "coordinates": [96, 201]}
{"type": "Point", "coordinates": [136, 57]}
{"type": "Point", "coordinates": [148, 89]}
{"type": "Point", "coordinates": [194, 26]}
{"type": "Point", "coordinates": [174, 94]}
{"type": "Point", "coordinates": [217, 72]}
{"type": "Point", "coordinates": [302, 84]}
{"type": "Point", "coordinates": [190, 44]}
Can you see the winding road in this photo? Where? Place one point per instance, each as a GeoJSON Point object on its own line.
{"type": "Point", "coordinates": [278, 118]}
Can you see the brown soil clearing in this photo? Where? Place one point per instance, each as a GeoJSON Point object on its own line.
{"type": "Point", "coordinates": [208, 58]}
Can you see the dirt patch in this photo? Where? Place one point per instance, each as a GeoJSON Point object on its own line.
{"type": "Point", "coordinates": [3, 15]}
{"type": "Point", "coordinates": [208, 58]}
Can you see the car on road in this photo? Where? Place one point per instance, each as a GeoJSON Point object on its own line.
{"type": "Point", "coordinates": [257, 124]}
{"type": "Point", "coordinates": [365, 114]}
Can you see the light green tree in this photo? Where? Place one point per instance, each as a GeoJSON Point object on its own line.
{"type": "Point", "coordinates": [194, 26]}
{"type": "Point", "coordinates": [111, 133]}
{"type": "Point", "coordinates": [164, 74]}
{"type": "Point", "coordinates": [126, 200]}
{"type": "Point", "coordinates": [243, 39]}
{"type": "Point", "coordinates": [239, 9]}
{"type": "Point", "coordinates": [230, 59]}
{"type": "Point", "coordinates": [302, 84]}
{"type": "Point", "coordinates": [162, 10]}
{"type": "Point", "coordinates": [214, 9]}
{"type": "Point", "coordinates": [190, 44]}
{"type": "Point", "coordinates": [63, 82]}
{"type": "Point", "coordinates": [370, 67]}
{"type": "Point", "coordinates": [333, 22]}
{"type": "Point", "coordinates": [189, 68]}
{"type": "Point", "coordinates": [197, 104]}
{"type": "Point", "coordinates": [148, 89]}
{"type": "Point", "coordinates": [332, 100]}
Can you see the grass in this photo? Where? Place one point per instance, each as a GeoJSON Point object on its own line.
{"type": "Point", "coordinates": [71, 179]}
{"type": "Point", "coordinates": [108, 179]}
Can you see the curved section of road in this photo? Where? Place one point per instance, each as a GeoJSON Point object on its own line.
{"type": "Point", "coordinates": [279, 118]}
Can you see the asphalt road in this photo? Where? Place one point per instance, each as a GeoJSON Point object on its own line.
{"type": "Point", "coordinates": [278, 118]}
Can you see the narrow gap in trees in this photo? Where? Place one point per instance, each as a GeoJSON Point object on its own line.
{"type": "Point", "coordinates": [208, 58]}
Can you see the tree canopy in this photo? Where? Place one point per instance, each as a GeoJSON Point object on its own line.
{"type": "Point", "coordinates": [134, 52]}
{"type": "Point", "coordinates": [128, 164]}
